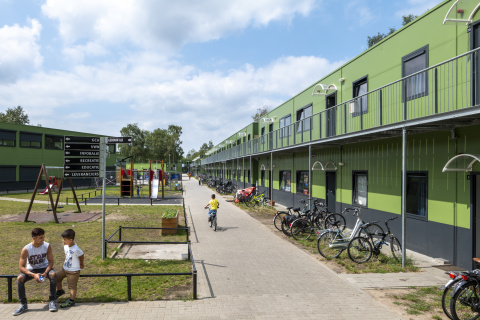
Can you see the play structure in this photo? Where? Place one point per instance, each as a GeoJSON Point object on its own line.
{"type": "Point", "coordinates": [133, 180]}
{"type": "Point", "coordinates": [51, 182]}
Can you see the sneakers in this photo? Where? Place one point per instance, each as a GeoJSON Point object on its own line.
{"type": "Point", "coordinates": [23, 308]}
{"type": "Point", "coordinates": [59, 293]}
{"type": "Point", "coordinates": [67, 304]}
{"type": "Point", "coordinates": [52, 307]}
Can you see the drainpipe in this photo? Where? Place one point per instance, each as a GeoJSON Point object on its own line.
{"type": "Point", "coordinates": [404, 192]}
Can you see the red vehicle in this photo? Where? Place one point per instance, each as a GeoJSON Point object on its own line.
{"type": "Point", "coordinates": [243, 194]}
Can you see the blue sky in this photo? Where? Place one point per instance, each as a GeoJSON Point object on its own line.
{"type": "Point", "coordinates": [97, 65]}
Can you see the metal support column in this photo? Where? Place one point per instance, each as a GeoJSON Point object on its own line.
{"type": "Point", "coordinates": [310, 176]}
{"type": "Point", "coordinates": [270, 182]}
{"type": "Point", "coordinates": [250, 170]}
{"type": "Point", "coordinates": [404, 193]}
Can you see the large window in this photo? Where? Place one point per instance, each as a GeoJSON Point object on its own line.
{"type": "Point", "coordinates": [8, 138]}
{"type": "Point", "coordinates": [417, 193]}
{"type": "Point", "coordinates": [360, 87]}
{"type": "Point", "coordinates": [417, 85]}
{"type": "Point", "coordinates": [285, 180]}
{"type": "Point", "coordinates": [29, 173]}
{"type": "Point", "coordinates": [53, 142]}
{"type": "Point", "coordinates": [303, 118]}
{"type": "Point", "coordinates": [302, 182]}
{"type": "Point", "coordinates": [8, 173]}
{"type": "Point", "coordinates": [30, 140]}
{"type": "Point", "coordinates": [285, 126]}
{"type": "Point", "coordinates": [360, 188]}
{"type": "Point", "coordinates": [262, 178]}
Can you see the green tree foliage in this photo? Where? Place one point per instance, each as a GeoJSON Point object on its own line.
{"type": "Point", "coordinates": [155, 145]}
{"type": "Point", "coordinates": [260, 113]}
{"type": "Point", "coordinates": [14, 115]}
{"type": "Point", "coordinates": [371, 41]}
{"type": "Point", "coordinates": [192, 154]}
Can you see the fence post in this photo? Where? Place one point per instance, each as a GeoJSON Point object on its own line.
{"type": "Point", "coordinates": [129, 287]}
{"type": "Point", "coordinates": [195, 285]}
{"type": "Point", "coordinates": [9, 289]}
{"type": "Point", "coordinates": [120, 233]}
{"type": "Point", "coordinates": [118, 201]}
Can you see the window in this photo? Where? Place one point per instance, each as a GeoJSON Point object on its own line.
{"type": "Point", "coordinates": [360, 87]}
{"type": "Point", "coordinates": [416, 86]}
{"type": "Point", "coordinates": [285, 126]}
{"type": "Point", "coordinates": [29, 173]}
{"type": "Point", "coordinates": [303, 116]}
{"type": "Point", "coordinates": [285, 182]}
{"type": "Point", "coordinates": [360, 190]}
{"type": "Point", "coordinates": [8, 138]}
{"type": "Point", "coordinates": [262, 178]}
{"type": "Point", "coordinates": [302, 182]}
{"type": "Point", "coordinates": [53, 142]}
{"type": "Point", "coordinates": [262, 133]}
{"type": "Point", "coordinates": [30, 140]}
{"type": "Point", "coordinates": [8, 173]}
{"type": "Point", "coordinates": [417, 193]}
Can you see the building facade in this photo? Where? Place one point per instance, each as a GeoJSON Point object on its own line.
{"type": "Point", "coordinates": [411, 101]}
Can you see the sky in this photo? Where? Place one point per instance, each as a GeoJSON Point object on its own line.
{"type": "Point", "coordinates": [97, 65]}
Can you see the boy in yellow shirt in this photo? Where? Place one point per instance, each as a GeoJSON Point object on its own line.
{"type": "Point", "coordinates": [214, 205]}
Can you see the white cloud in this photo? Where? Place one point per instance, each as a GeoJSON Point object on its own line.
{"type": "Point", "coordinates": [164, 24]}
{"type": "Point", "coordinates": [19, 50]}
{"type": "Point", "coordinates": [357, 12]}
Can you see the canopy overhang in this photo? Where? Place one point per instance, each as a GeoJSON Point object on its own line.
{"type": "Point", "coordinates": [471, 157]}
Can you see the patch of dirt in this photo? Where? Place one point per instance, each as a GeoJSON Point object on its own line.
{"type": "Point", "coordinates": [387, 298]}
{"type": "Point", "coordinates": [114, 217]}
{"type": "Point", "coordinates": [178, 292]}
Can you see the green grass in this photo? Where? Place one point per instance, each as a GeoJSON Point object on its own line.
{"type": "Point", "coordinates": [88, 237]}
{"type": "Point", "coordinates": [422, 300]}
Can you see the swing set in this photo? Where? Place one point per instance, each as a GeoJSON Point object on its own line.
{"type": "Point", "coordinates": [51, 182]}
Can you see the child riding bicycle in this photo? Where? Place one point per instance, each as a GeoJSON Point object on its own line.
{"type": "Point", "coordinates": [214, 205]}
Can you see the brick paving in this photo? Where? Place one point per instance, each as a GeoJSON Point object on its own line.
{"type": "Point", "coordinates": [244, 272]}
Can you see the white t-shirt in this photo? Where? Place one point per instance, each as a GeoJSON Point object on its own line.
{"type": "Point", "coordinates": [72, 261]}
{"type": "Point", "coordinates": [37, 257]}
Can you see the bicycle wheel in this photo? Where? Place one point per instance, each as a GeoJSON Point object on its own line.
{"type": "Point", "coordinates": [359, 249]}
{"type": "Point", "coordinates": [396, 248]}
{"type": "Point", "coordinates": [335, 221]}
{"type": "Point", "coordinates": [373, 229]}
{"type": "Point", "coordinates": [277, 221]}
{"type": "Point", "coordinates": [210, 221]}
{"type": "Point", "coordinates": [215, 223]}
{"type": "Point", "coordinates": [301, 229]}
{"type": "Point", "coordinates": [250, 202]}
{"type": "Point", "coordinates": [446, 297]}
{"type": "Point", "coordinates": [323, 245]}
{"type": "Point", "coordinates": [464, 303]}
{"type": "Point", "coordinates": [285, 227]}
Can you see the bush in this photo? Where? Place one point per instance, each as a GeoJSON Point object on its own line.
{"type": "Point", "coordinates": [170, 213]}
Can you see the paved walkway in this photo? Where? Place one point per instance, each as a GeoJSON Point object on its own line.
{"type": "Point", "coordinates": [245, 272]}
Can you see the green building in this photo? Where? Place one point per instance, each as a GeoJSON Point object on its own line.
{"type": "Point", "coordinates": [411, 101]}
{"type": "Point", "coordinates": [24, 148]}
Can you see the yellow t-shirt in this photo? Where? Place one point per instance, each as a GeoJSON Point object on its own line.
{"type": "Point", "coordinates": [213, 204]}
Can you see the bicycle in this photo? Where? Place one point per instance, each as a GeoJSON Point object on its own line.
{"type": "Point", "coordinates": [465, 301]}
{"type": "Point", "coordinates": [212, 220]}
{"type": "Point", "coordinates": [258, 199]}
{"type": "Point", "coordinates": [360, 249]}
{"type": "Point", "coordinates": [448, 288]}
{"type": "Point", "coordinates": [304, 227]}
{"type": "Point", "coordinates": [332, 241]}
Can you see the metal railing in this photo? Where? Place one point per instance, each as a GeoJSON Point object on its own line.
{"type": "Point", "coordinates": [439, 89]}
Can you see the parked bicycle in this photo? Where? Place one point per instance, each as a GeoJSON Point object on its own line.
{"type": "Point", "coordinates": [257, 200]}
{"type": "Point", "coordinates": [465, 297]}
{"type": "Point", "coordinates": [448, 288]}
{"type": "Point", "coordinates": [361, 248]}
{"type": "Point", "coordinates": [317, 219]}
{"type": "Point", "coordinates": [332, 241]}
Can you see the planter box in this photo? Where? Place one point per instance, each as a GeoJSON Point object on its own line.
{"type": "Point", "coordinates": [169, 223]}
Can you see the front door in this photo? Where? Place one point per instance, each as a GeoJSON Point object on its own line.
{"type": "Point", "coordinates": [331, 190]}
{"type": "Point", "coordinates": [331, 114]}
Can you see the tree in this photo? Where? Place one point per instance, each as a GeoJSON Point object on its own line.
{"type": "Point", "coordinates": [14, 115]}
{"type": "Point", "coordinates": [137, 150]}
{"type": "Point", "coordinates": [260, 113]}
{"type": "Point", "coordinates": [371, 41]}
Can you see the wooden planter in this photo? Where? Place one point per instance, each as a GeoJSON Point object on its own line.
{"type": "Point", "coordinates": [169, 223]}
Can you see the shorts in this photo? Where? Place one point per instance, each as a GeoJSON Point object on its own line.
{"type": "Point", "coordinates": [72, 278]}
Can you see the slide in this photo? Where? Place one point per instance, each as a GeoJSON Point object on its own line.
{"type": "Point", "coordinates": [154, 189]}
{"type": "Point", "coordinates": [46, 189]}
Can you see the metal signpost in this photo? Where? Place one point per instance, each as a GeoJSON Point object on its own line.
{"type": "Point", "coordinates": [86, 157]}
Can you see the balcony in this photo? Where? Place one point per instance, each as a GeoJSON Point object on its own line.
{"type": "Point", "coordinates": [441, 97]}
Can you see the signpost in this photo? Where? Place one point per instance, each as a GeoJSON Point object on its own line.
{"type": "Point", "coordinates": [86, 157]}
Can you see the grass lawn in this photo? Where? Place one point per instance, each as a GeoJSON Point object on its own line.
{"type": "Point", "coordinates": [89, 238]}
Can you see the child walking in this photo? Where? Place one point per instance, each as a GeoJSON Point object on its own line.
{"type": "Point", "coordinates": [71, 267]}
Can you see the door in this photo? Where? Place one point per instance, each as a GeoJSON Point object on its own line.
{"type": "Point", "coordinates": [476, 64]}
{"type": "Point", "coordinates": [270, 136]}
{"type": "Point", "coordinates": [331, 190]}
{"type": "Point", "coordinates": [331, 114]}
{"type": "Point", "coordinates": [476, 212]}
